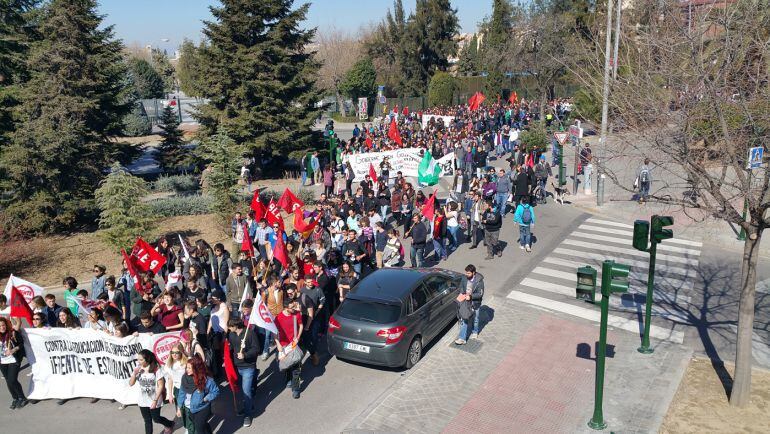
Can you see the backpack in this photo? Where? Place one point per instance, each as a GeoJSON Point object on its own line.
{"type": "Point", "coordinates": [644, 175]}
{"type": "Point", "coordinates": [526, 215]}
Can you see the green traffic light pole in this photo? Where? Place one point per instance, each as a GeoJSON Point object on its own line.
{"type": "Point", "coordinates": [610, 270]}
{"type": "Point", "coordinates": [645, 348]}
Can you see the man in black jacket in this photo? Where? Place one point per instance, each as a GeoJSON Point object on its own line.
{"type": "Point", "coordinates": [522, 185]}
{"type": "Point", "coordinates": [492, 222]}
{"type": "Point", "coordinates": [244, 347]}
{"type": "Point", "coordinates": [419, 234]}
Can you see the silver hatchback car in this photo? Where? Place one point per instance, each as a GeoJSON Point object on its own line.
{"type": "Point", "coordinates": [392, 314]}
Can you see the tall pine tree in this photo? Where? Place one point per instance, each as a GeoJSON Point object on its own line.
{"type": "Point", "coordinates": [469, 57]}
{"type": "Point", "coordinates": [72, 102]}
{"type": "Point", "coordinates": [171, 155]}
{"type": "Point", "coordinates": [258, 77]}
{"type": "Point", "coordinates": [427, 43]}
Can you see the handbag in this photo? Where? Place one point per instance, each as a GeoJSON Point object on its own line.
{"type": "Point", "coordinates": [465, 311]}
{"type": "Point", "coordinates": [293, 356]}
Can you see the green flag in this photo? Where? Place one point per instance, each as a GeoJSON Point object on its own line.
{"type": "Point", "coordinates": [428, 171]}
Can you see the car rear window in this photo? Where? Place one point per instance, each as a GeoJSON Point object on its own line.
{"type": "Point", "coordinates": [379, 313]}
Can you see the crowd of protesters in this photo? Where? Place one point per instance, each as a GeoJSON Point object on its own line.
{"type": "Point", "coordinates": [361, 227]}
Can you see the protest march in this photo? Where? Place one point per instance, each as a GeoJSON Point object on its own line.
{"type": "Point", "coordinates": [182, 316]}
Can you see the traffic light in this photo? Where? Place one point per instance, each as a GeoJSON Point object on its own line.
{"type": "Point", "coordinates": [641, 233]}
{"type": "Point", "coordinates": [614, 278]}
{"type": "Point", "coordinates": [658, 234]}
{"type": "Point", "coordinates": [586, 284]}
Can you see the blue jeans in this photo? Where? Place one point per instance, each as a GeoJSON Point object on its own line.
{"type": "Point", "coordinates": [464, 326]}
{"type": "Point", "coordinates": [454, 231]}
{"type": "Point", "coordinates": [268, 339]}
{"type": "Point", "coordinates": [439, 246]}
{"type": "Point", "coordinates": [500, 200]}
{"type": "Point", "coordinates": [357, 268]}
{"type": "Point", "coordinates": [304, 177]}
{"type": "Point", "coordinates": [644, 190]}
{"type": "Point", "coordinates": [245, 379]}
{"type": "Point", "coordinates": [416, 254]}
{"type": "Point", "coordinates": [525, 235]}
{"type": "Point", "coordinates": [311, 335]}
{"type": "Point", "coordinates": [384, 213]}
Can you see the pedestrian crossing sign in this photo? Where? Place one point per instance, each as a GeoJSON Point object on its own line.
{"type": "Point", "coordinates": [755, 157]}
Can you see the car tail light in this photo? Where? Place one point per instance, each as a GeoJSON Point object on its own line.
{"type": "Point", "coordinates": [392, 335]}
{"type": "Point", "coordinates": [333, 325]}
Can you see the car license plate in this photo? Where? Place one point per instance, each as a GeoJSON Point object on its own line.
{"type": "Point", "coordinates": [356, 347]}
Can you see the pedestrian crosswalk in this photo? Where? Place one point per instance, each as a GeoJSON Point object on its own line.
{"type": "Point", "coordinates": [551, 285]}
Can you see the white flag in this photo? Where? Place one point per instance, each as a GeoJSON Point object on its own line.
{"type": "Point", "coordinates": [246, 296]}
{"type": "Point", "coordinates": [28, 289]}
{"type": "Point", "coordinates": [261, 317]}
{"type": "Point", "coordinates": [184, 248]}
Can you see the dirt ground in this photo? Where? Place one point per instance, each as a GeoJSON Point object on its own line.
{"type": "Point", "coordinates": [47, 260]}
{"type": "Point", "coordinates": [700, 405]}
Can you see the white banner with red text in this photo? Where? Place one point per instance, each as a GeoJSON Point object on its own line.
{"type": "Point", "coordinates": [427, 116]}
{"type": "Point", "coordinates": [77, 363]}
{"type": "Point", "coordinates": [404, 160]}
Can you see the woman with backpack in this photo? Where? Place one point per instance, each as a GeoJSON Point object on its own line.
{"type": "Point", "coordinates": [525, 217]}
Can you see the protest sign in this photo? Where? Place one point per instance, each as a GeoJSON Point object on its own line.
{"type": "Point", "coordinates": [69, 363]}
{"type": "Point", "coordinates": [426, 118]}
{"type": "Point", "coordinates": [404, 160]}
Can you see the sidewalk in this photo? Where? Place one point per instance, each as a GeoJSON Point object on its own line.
{"type": "Point", "coordinates": [529, 371]}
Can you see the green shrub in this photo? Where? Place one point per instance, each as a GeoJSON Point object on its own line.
{"type": "Point", "coordinates": [535, 138]}
{"type": "Point", "coordinates": [123, 215]}
{"type": "Point", "coordinates": [174, 206]}
{"type": "Point", "coordinates": [136, 123]}
{"type": "Point", "coordinates": [440, 89]}
{"type": "Point", "coordinates": [177, 183]}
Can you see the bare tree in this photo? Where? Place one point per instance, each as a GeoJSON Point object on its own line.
{"type": "Point", "coordinates": [692, 96]}
{"type": "Point", "coordinates": [338, 51]}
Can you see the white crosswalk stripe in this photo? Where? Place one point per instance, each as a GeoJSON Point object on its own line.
{"type": "Point", "coordinates": [551, 284]}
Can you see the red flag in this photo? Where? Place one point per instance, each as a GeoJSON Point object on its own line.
{"type": "Point", "coordinates": [274, 214]}
{"type": "Point", "coordinates": [429, 209]}
{"type": "Point", "coordinates": [131, 270]}
{"type": "Point", "coordinates": [406, 111]}
{"type": "Point", "coordinates": [289, 202]}
{"type": "Point", "coordinates": [368, 141]}
{"type": "Point", "coordinates": [280, 253]}
{"type": "Point", "coordinates": [230, 372]}
{"type": "Point", "coordinates": [246, 245]}
{"type": "Point", "coordinates": [476, 100]}
{"type": "Point", "coordinates": [257, 207]}
{"type": "Point", "coordinates": [301, 226]}
{"type": "Point", "coordinates": [146, 257]}
{"type": "Point", "coordinates": [393, 133]}
{"type": "Point", "coordinates": [372, 173]}
{"type": "Point", "coordinates": [513, 97]}
{"type": "Point", "coordinates": [19, 306]}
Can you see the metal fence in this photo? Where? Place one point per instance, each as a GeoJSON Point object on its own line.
{"type": "Point", "coordinates": [185, 108]}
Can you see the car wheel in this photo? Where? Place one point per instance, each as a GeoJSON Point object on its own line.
{"type": "Point", "coordinates": [414, 354]}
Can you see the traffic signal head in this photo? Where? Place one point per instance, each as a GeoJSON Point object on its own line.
{"type": "Point", "coordinates": [586, 284]}
{"type": "Point", "coordinates": [614, 278]}
{"type": "Point", "coordinates": [641, 233]}
{"type": "Point", "coordinates": [657, 233]}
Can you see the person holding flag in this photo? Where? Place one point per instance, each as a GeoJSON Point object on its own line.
{"type": "Point", "coordinates": [289, 326]}
{"type": "Point", "coordinates": [244, 348]}
{"type": "Point", "coordinates": [11, 353]}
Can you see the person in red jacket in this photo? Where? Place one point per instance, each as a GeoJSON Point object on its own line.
{"type": "Point", "coordinates": [439, 234]}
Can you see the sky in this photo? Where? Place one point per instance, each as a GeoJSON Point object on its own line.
{"type": "Point", "coordinates": [150, 22]}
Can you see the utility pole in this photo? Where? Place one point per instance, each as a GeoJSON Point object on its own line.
{"type": "Point", "coordinates": [617, 42]}
{"type": "Point", "coordinates": [605, 106]}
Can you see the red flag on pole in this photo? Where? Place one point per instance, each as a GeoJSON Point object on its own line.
{"type": "Point", "coordinates": [512, 97]}
{"type": "Point", "coordinates": [274, 214]}
{"type": "Point", "coordinates": [405, 112]}
{"type": "Point", "coordinates": [372, 173]}
{"type": "Point", "coordinates": [393, 133]}
{"type": "Point", "coordinates": [301, 226]}
{"type": "Point", "coordinates": [289, 202]}
{"type": "Point", "coordinates": [230, 372]}
{"type": "Point", "coordinates": [257, 207]}
{"type": "Point", "coordinates": [19, 306]}
{"type": "Point", "coordinates": [280, 253]}
{"type": "Point", "coordinates": [368, 141]}
{"type": "Point", "coordinates": [131, 270]}
{"type": "Point", "coordinates": [246, 244]}
{"type": "Point", "coordinates": [429, 209]}
{"type": "Point", "coordinates": [476, 100]}
{"type": "Point", "coordinates": [146, 257]}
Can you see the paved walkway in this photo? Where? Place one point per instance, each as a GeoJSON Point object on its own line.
{"type": "Point", "coordinates": [529, 371]}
